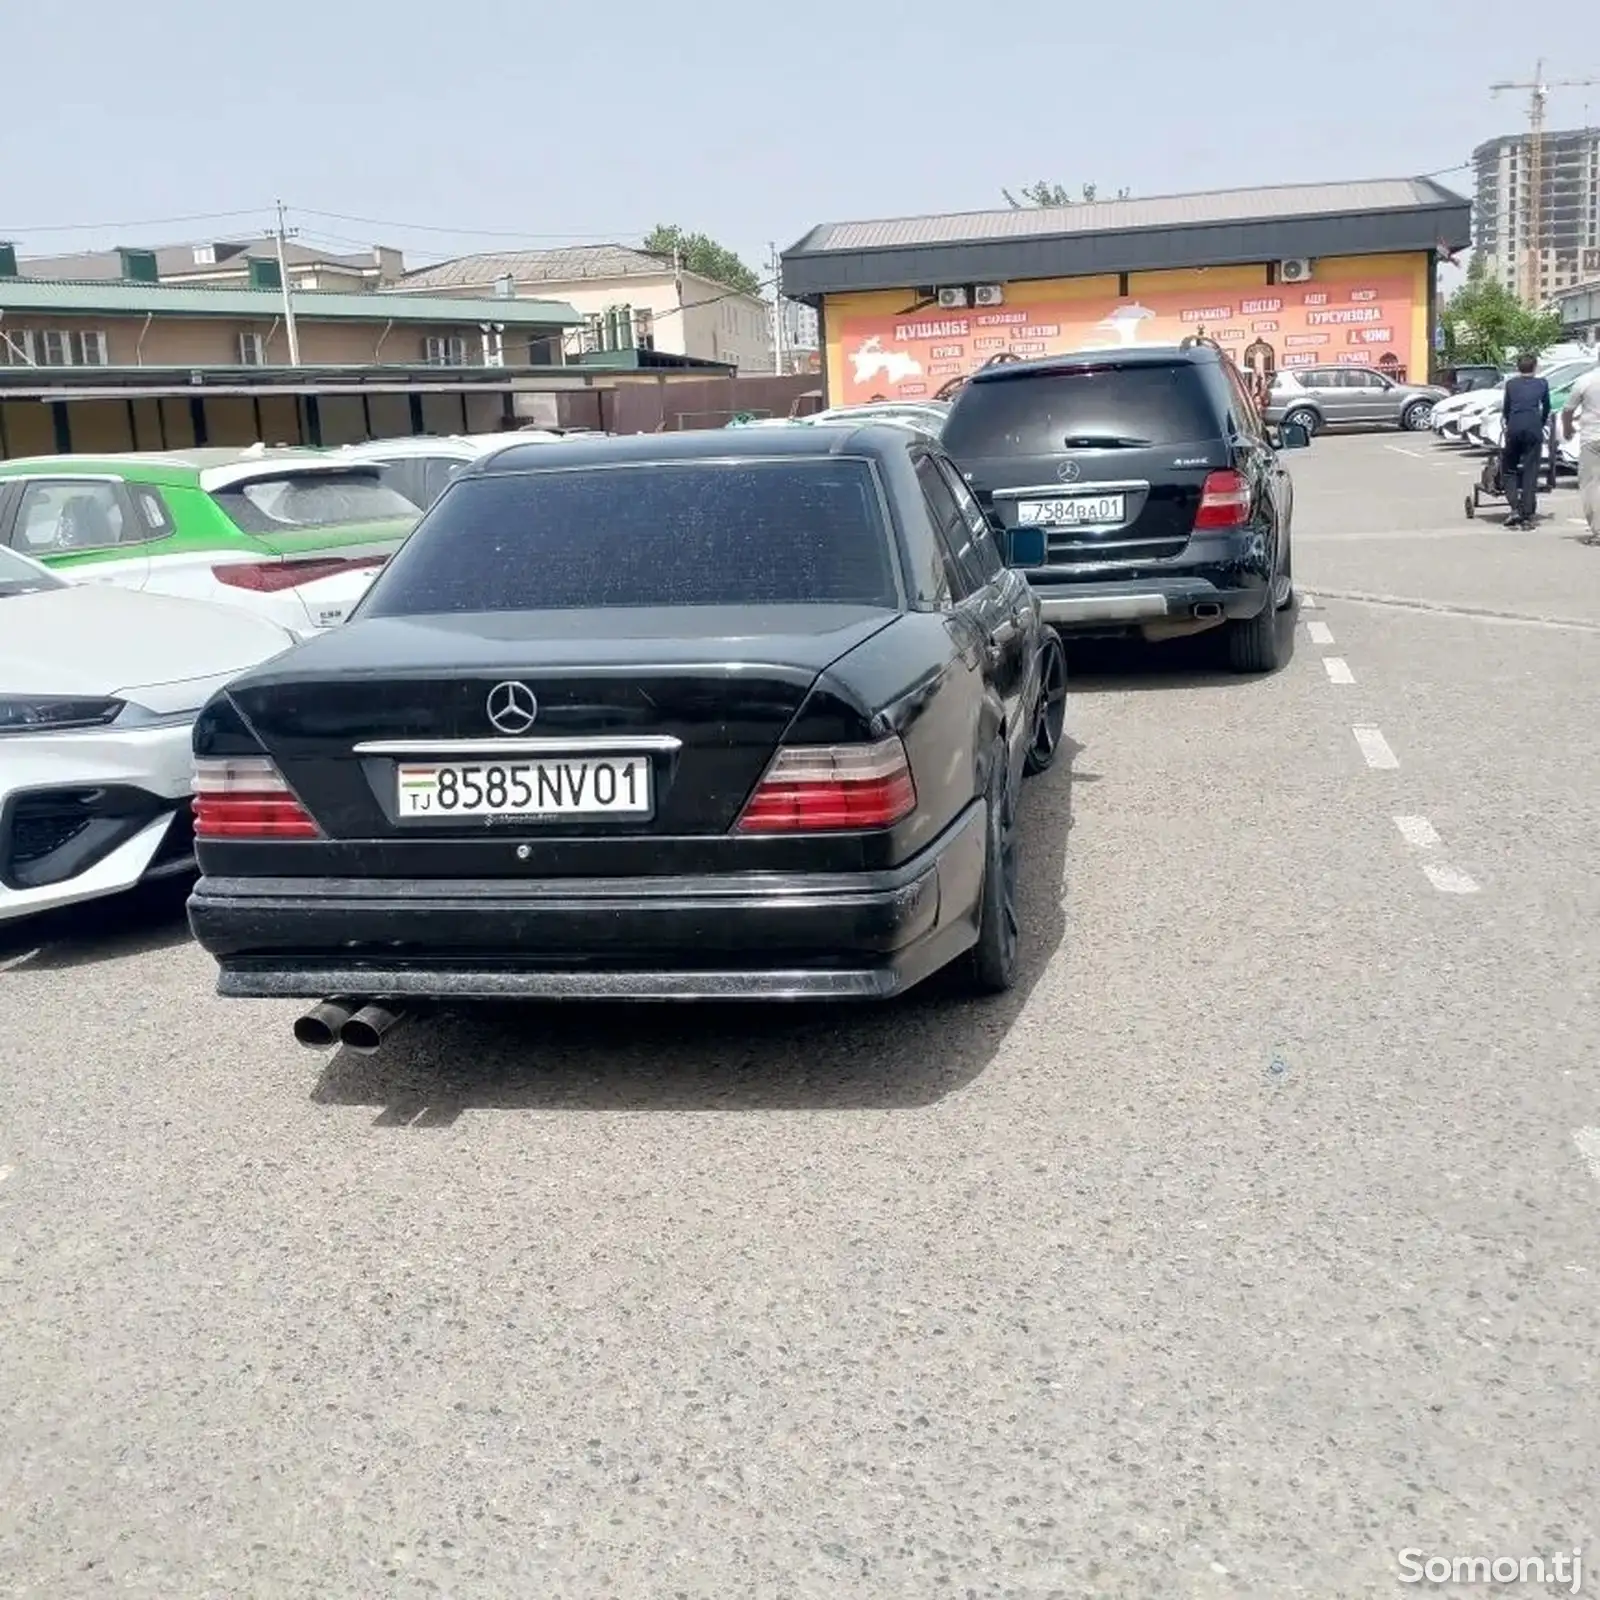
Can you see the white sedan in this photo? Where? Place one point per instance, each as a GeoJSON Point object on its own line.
{"type": "Point", "coordinates": [99, 688]}
{"type": "Point", "coordinates": [421, 467]}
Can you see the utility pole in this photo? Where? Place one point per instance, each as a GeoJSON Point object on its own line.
{"type": "Point", "coordinates": [1534, 206]}
{"type": "Point", "coordinates": [288, 298]}
{"type": "Point", "coordinates": [775, 268]}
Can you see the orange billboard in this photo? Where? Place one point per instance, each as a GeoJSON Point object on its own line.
{"type": "Point", "coordinates": [913, 354]}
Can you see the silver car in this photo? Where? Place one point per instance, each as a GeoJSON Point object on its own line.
{"type": "Point", "coordinates": [1330, 397]}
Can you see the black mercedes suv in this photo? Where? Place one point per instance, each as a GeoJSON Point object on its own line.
{"type": "Point", "coordinates": [1139, 490]}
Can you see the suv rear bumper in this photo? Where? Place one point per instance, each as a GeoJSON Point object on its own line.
{"type": "Point", "coordinates": [1218, 578]}
{"type": "Point", "coordinates": [1088, 606]}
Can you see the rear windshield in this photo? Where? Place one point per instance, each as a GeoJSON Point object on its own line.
{"type": "Point", "coordinates": [697, 533]}
{"type": "Point", "coordinates": [1039, 414]}
{"type": "Point", "coordinates": [312, 500]}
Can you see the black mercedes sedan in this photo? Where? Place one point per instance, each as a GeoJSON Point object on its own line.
{"type": "Point", "coordinates": [718, 715]}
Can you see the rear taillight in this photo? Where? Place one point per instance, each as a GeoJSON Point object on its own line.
{"type": "Point", "coordinates": [832, 788]}
{"type": "Point", "coordinates": [246, 798]}
{"type": "Point", "coordinates": [1224, 501]}
{"type": "Point", "coordinates": [268, 577]}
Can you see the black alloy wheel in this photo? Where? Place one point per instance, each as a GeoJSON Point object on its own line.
{"type": "Point", "coordinates": [1050, 710]}
{"type": "Point", "coordinates": [994, 957]}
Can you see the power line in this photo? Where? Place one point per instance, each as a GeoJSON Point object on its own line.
{"type": "Point", "coordinates": [465, 233]}
{"type": "Point", "coordinates": [147, 222]}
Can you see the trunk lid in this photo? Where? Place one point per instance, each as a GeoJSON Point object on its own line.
{"type": "Point", "coordinates": [1096, 462]}
{"type": "Point", "coordinates": [691, 692]}
{"type": "Point", "coordinates": [1123, 505]}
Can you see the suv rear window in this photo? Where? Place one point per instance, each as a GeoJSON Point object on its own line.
{"type": "Point", "coordinates": [781, 532]}
{"type": "Point", "coordinates": [312, 500]}
{"type": "Point", "coordinates": [1037, 413]}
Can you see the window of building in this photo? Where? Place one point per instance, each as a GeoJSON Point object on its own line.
{"type": "Point", "coordinates": [55, 348]}
{"type": "Point", "coordinates": [252, 350]}
{"type": "Point", "coordinates": [445, 352]}
{"type": "Point", "coordinates": [644, 330]}
{"type": "Point", "coordinates": [18, 347]}
{"type": "Point", "coordinates": [90, 349]}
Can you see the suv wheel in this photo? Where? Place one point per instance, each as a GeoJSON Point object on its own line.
{"type": "Point", "coordinates": [1255, 644]}
{"type": "Point", "coordinates": [994, 957]}
{"type": "Point", "coordinates": [1417, 416]}
{"type": "Point", "coordinates": [1303, 417]}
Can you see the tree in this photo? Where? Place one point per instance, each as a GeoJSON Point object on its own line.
{"type": "Point", "coordinates": [1485, 322]}
{"type": "Point", "coordinates": [1053, 194]}
{"type": "Point", "coordinates": [702, 256]}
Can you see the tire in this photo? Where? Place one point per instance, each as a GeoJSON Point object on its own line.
{"type": "Point", "coordinates": [1306, 418]}
{"type": "Point", "coordinates": [1289, 596]}
{"type": "Point", "coordinates": [993, 959]}
{"type": "Point", "coordinates": [1417, 416]}
{"type": "Point", "coordinates": [1050, 713]}
{"type": "Point", "coordinates": [1254, 643]}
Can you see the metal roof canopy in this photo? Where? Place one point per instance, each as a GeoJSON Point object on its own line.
{"type": "Point", "coordinates": [1225, 227]}
{"type": "Point", "coordinates": [376, 305]}
{"type": "Point", "coordinates": [134, 383]}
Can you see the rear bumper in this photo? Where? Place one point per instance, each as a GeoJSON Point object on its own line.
{"type": "Point", "coordinates": [1218, 577]}
{"type": "Point", "coordinates": [88, 814]}
{"type": "Point", "coordinates": [733, 937]}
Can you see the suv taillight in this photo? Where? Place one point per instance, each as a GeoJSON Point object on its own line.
{"type": "Point", "coordinates": [831, 788]}
{"type": "Point", "coordinates": [1224, 501]}
{"type": "Point", "coordinates": [246, 798]}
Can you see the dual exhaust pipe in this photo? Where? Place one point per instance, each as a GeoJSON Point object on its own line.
{"type": "Point", "coordinates": [357, 1026]}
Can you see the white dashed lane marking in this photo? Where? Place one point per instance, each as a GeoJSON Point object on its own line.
{"type": "Point", "coordinates": [1319, 633]}
{"type": "Point", "coordinates": [1588, 1143]}
{"type": "Point", "coordinates": [1421, 835]}
{"type": "Point", "coordinates": [1375, 748]}
{"type": "Point", "coordinates": [1447, 880]}
{"type": "Point", "coordinates": [1338, 669]}
{"type": "Point", "coordinates": [1418, 831]}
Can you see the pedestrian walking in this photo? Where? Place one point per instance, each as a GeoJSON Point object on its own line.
{"type": "Point", "coordinates": [1581, 416]}
{"type": "Point", "coordinates": [1526, 409]}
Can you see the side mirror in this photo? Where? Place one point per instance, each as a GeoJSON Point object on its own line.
{"type": "Point", "coordinates": [1294, 436]}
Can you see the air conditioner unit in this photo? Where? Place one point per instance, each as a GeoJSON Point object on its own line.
{"type": "Point", "coordinates": [1297, 270]}
{"type": "Point", "coordinates": [989, 294]}
{"type": "Point", "coordinates": [952, 299]}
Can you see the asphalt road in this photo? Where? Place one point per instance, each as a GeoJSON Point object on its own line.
{"type": "Point", "coordinates": [1248, 1244]}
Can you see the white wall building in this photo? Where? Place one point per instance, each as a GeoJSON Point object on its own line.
{"type": "Point", "coordinates": [627, 297]}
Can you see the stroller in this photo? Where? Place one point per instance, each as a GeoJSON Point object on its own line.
{"type": "Point", "coordinates": [1491, 484]}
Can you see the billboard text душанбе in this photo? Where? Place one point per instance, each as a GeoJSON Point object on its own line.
{"type": "Point", "coordinates": [911, 356]}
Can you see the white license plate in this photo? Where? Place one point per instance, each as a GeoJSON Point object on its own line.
{"type": "Point", "coordinates": [1072, 511]}
{"type": "Point", "coordinates": [607, 786]}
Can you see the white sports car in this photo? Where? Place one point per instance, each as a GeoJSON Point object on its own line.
{"type": "Point", "coordinates": [99, 687]}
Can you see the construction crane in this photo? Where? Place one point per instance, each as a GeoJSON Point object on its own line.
{"type": "Point", "coordinates": [1533, 223]}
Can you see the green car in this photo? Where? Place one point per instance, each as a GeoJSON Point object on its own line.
{"type": "Point", "coordinates": [295, 535]}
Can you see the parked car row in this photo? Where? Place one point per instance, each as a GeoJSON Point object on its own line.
{"type": "Point", "coordinates": [1474, 418]}
{"type": "Point", "coordinates": [690, 715]}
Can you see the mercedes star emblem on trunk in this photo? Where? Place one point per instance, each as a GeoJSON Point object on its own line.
{"type": "Point", "coordinates": [512, 707]}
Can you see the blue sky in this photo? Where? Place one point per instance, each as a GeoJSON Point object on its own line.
{"type": "Point", "coordinates": [507, 123]}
